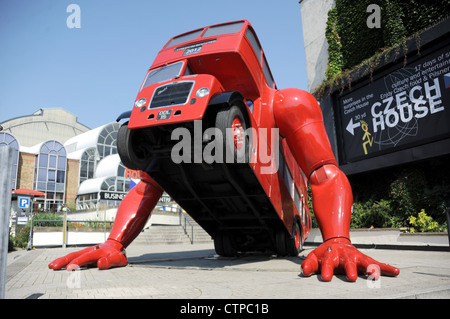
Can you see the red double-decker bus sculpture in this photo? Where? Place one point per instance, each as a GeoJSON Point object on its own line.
{"type": "Point", "coordinates": [210, 127]}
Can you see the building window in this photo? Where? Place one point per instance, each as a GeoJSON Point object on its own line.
{"type": "Point", "coordinates": [116, 184]}
{"type": "Point", "coordinates": [121, 170]}
{"type": "Point", "coordinates": [50, 174]}
{"type": "Point", "coordinates": [87, 201]}
{"type": "Point", "coordinates": [87, 164]}
{"type": "Point", "coordinates": [7, 139]}
{"type": "Point", "coordinates": [106, 144]}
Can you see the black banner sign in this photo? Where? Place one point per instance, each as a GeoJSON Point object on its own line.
{"type": "Point", "coordinates": [112, 196]}
{"type": "Point", "coordinates": [406, 108]}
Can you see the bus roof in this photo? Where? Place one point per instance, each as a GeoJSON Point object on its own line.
{"type": "Point", "coordinates": [219, 39]}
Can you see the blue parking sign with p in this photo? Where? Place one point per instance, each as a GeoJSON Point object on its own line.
{"type": "Point", "coordinates": [24, 202]}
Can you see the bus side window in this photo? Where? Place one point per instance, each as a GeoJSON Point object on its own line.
{"type": "Point", "coordinates": [254, 42]}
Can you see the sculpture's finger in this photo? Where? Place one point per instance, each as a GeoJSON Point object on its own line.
{"type": "Point", "coordinates": [388, 270]}
{"type": "Point", "coordinates": [59, 263]}
{"type": "Point", "coordinates": [86, 259]}
{"type": "Point", "coordinates": [63, 261]}
{"type": "Point", "coordinates": [310, 265]}
{"type": "Point", "coordinates": [327, 269]}
{"type": "Point", "coordinates": [374, 268]}
{"type": "Point", "coordinates": [351, 271]}
{"type": "Point", "coordinates": [115, 259]}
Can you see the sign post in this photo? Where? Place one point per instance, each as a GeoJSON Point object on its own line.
{"type": "Point", "coordinates": [24, 214]}
{"type": "Point", "coordinates": [64, 245]}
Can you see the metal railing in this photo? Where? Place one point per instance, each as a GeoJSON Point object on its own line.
{"type": "Point", "coordinates": [185, 223]}
{"type": "Point", "coordinates": [65, 224]}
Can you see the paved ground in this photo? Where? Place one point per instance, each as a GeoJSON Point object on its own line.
{"type": "Point", "coordinates": [195, 272]}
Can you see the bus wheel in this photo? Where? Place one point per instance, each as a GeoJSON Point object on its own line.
{"type": "Point", "coordinates": [231, 123]}
{"type": "Point", "coordinates": [131, 150]}
{"type": "Point", "coordinates": [294, 242]}
{"type": "Point", "coordinates": [224, 246]}
{"type": "Point", "coordinates": [281, 242]}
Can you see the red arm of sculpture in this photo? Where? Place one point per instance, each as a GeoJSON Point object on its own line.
{"type": "Point", "coordinates": [299, 118]}
{"type": "Point", "coordinates": [131, 217]}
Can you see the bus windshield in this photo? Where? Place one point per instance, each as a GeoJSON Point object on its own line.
{"type": "Point", "coordinates": [163, 73]}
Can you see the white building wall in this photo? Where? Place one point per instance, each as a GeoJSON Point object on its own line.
{"type": "Point", "coordinates": [314, 18]}
{"type": "Point", "coordinates": [44, 124]}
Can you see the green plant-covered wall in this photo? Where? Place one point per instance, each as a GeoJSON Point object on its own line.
{"type": "Point", "coordinates": [351, 41]}
{"type": "Point", "coordinates": [415, 195]}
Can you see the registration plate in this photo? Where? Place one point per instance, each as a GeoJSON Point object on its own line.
{"type": "Point", "coordinates": [164, 115]}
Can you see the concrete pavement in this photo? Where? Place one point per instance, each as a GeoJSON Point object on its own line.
{"type": "Point", "coordinates": [195, 272]}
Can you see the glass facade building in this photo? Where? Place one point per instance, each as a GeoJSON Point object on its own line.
{"type": "Point", "coordinates": [81, 170]}
{"type": "Point", "coordinates": [108, 186]}
{"type": "Point", "coordinates": [101, 175]}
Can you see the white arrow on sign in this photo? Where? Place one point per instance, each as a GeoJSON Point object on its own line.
{"type": "Point", "coordinates": [351, 126]}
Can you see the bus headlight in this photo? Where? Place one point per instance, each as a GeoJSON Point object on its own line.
{"type": "Point", "coordinates": [140, 102]}
{"type": "Point", "coordinates": [202, 92]}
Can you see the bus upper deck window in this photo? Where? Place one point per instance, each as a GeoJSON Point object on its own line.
{"type": "Point", "coordinates": [223, 29]}
{"type": "Point", "coordinates": [184, 38]}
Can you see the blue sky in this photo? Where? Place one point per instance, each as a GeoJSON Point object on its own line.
{"type": "Point", "coordinates": [95, 71]}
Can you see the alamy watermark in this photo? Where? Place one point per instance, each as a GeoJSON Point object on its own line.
{"type": "Point", "coordinates": [74, 279]}
{"type": "Point", "coordinates": [74, 19]}
{"type": "Point", "coordinates": [235, 145]}
{"type": "Point", "coordinates": [374, 19]}
{"type": "Point", "coordinates": [374, 278]}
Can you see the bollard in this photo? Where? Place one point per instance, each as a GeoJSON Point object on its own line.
{"type": "Point", "coordinates": [6, 164]}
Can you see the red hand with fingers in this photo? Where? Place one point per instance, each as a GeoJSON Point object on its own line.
{"type": "Point", "coordinates": [339, 256]}
{"type": "Point", "coordinates": [131, 217]}
{"type": "Point", "coordinates": [107, 255]}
